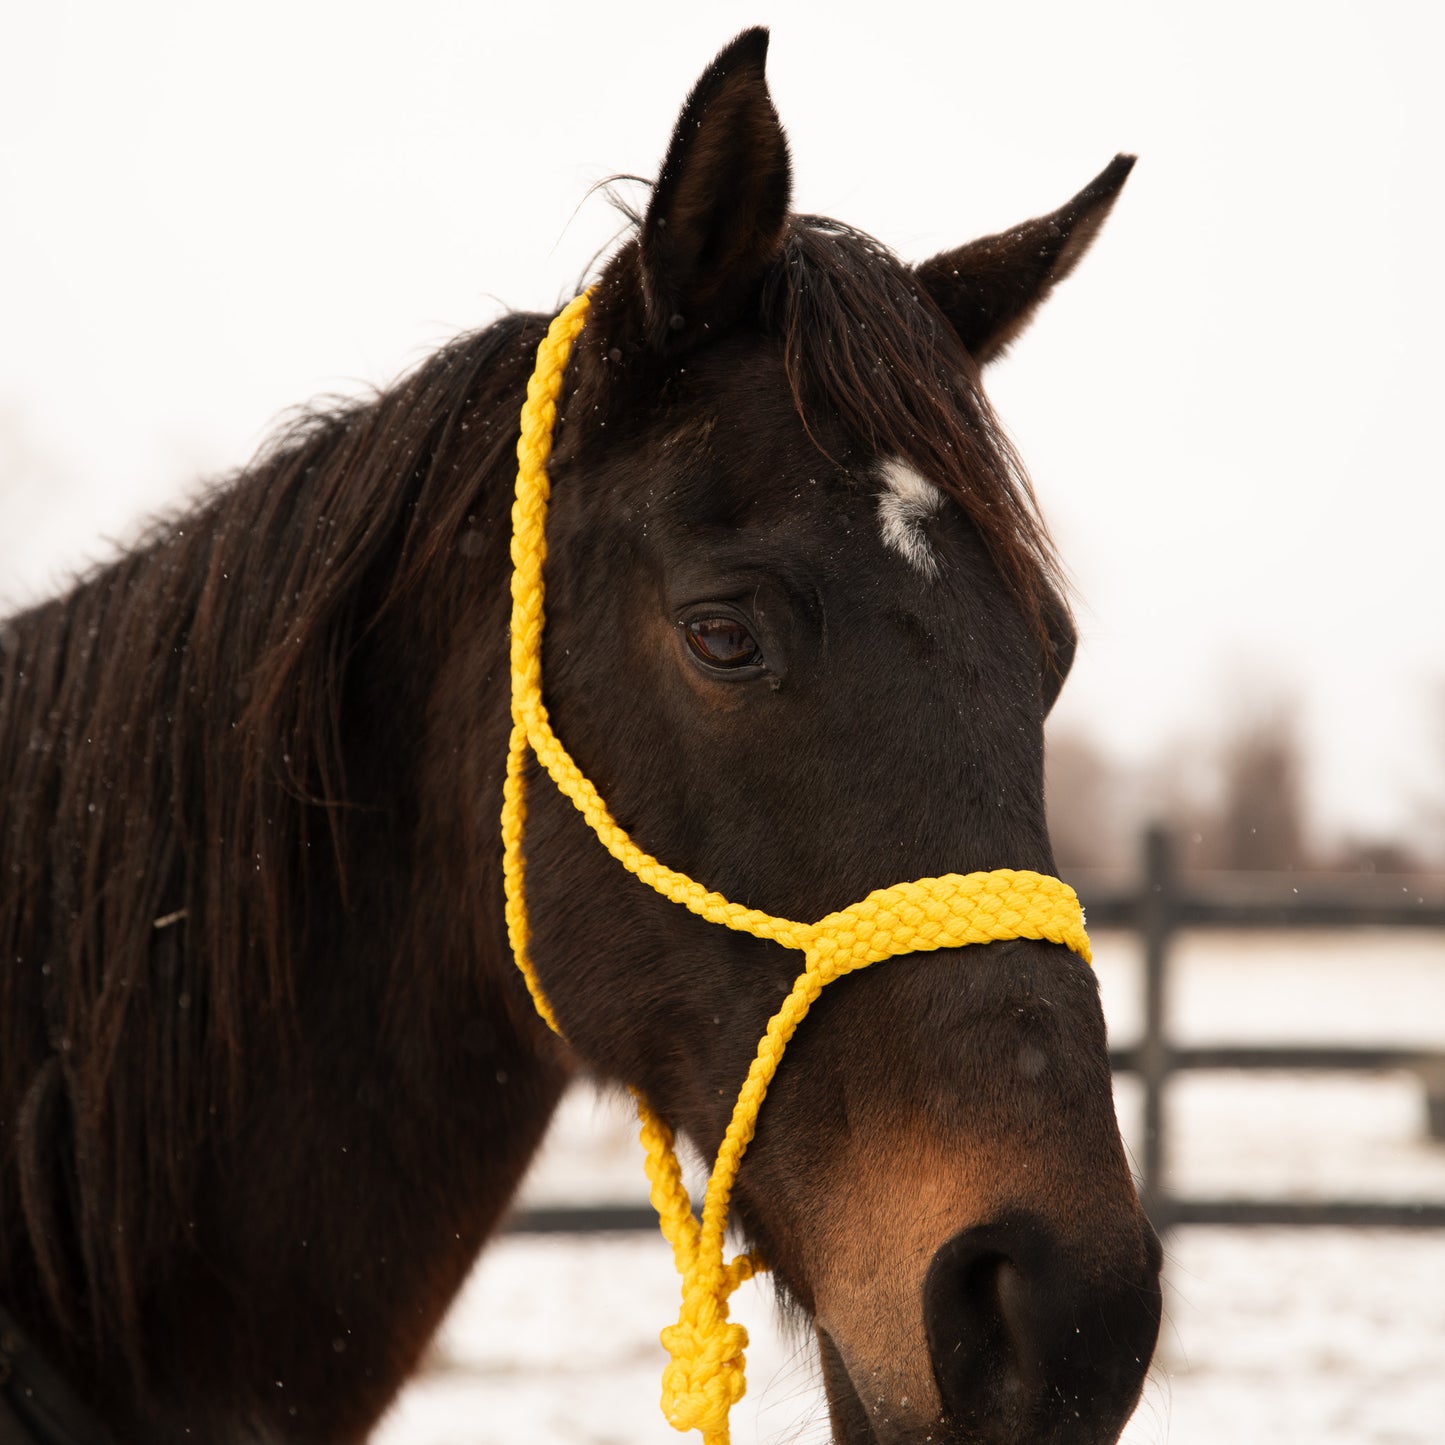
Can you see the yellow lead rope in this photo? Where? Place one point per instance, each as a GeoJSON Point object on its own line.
{"type": "Point", "coordinates": [704, 1376]}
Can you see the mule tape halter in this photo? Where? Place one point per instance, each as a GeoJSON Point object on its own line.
{"type": "Point", "coordinates": [704, 1377]}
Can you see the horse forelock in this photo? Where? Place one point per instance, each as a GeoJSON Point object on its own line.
{"type": "Point", "coordinates": [865, 342]}
{"type": "Point", "coordinates": [869, 356]}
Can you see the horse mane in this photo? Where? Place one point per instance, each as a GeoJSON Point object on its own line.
{"type": "Point", "coordinates": [172, 763]}
{"type": "Point", "coordinates": [865, 341]}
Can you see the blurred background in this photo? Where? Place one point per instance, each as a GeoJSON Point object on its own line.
{"type": "Point", "coordinates": [214, 214]}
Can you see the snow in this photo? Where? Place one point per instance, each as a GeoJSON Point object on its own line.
{"type": "Point", "coordinates": [1324, 1336]}
{"type": "Point", "coordinates": [1332, 1337]}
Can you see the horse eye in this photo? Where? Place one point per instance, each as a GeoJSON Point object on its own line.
{"type": "Point", "coordinates": [722, 642]}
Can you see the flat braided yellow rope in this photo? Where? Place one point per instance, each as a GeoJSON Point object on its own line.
{"type": "Point", "coordinates": [704, 1376]}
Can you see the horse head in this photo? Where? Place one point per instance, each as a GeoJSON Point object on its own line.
{"type": "Point", "coordinates": [804, 629]}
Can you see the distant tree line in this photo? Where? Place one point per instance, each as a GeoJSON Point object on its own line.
{"type": "Point", "coordinates": [1238, 804]}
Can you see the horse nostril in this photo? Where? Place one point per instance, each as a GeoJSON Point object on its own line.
{"type": "Point", "coordinates": [967, 1296]}
{"type": "Point", "coordinates": [1030, 1342]}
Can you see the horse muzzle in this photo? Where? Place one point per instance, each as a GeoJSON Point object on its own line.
{"type": "Point", "coordinates": [1025, 1341]}
{"type": "Point", "coordinates": [982, 1271]}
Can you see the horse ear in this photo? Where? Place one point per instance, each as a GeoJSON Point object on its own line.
{"type": "Point", "coordinates": [991, 288]}
{"type": "Point", "coordinates": [718, 211]}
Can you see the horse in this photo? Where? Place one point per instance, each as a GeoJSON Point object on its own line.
{"type": "Point", "coordinates": [269, 1078]}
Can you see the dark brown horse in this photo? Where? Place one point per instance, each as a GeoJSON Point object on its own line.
{"type": "Point", "coordinates": [268, 1076]}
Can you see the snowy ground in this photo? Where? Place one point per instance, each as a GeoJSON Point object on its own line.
{"type": "Point", "coordinates": [1322, 1337]}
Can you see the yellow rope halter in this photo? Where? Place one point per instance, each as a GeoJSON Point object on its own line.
{"type": "Point", "coordinates": [704, 1377]}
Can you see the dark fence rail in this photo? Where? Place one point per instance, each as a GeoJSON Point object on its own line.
{"type": "Point", "coordinates": [1158, 906]}
{"type": "Point", "coordinates": [1164, 903]}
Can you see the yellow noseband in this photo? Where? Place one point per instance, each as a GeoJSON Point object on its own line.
{"type": "Point", "coordinates": [704, 1377]}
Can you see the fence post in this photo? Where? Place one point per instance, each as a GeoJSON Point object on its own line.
{"type": "Point", "coordinates": [1156, 923]}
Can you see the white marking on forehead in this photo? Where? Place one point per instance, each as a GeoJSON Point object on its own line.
{"type": "Point", "coordinates": [904, 506]}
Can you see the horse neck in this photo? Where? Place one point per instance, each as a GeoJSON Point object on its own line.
{"type": "Point", "coordinates": [253, 986]}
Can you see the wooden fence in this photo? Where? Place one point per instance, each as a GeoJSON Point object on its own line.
{"type": "Point", "coordinates": [1158, 907]}
{"type": "Point", "coordinates": [1165, 903]}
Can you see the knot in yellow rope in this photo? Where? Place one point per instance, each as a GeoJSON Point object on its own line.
{"type": "Point", "coordinates": [704, 1377]}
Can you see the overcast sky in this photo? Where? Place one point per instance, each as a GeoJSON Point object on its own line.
{"type": "Point", "coordinates": [211, 214]}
